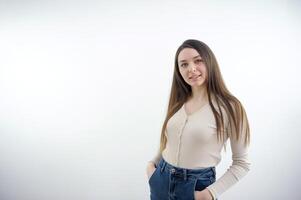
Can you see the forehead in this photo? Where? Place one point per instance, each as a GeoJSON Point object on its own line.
{"type": "Point", "coordinates": [187, 54]}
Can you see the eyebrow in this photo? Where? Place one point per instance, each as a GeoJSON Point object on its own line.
{"type": "Point", "coordinates": [193, 57]}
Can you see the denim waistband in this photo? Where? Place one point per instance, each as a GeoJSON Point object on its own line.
{"type": "Point", "coordinates": [184, 172]}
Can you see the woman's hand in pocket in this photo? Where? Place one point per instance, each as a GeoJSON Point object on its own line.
{"type": "Point", "coordinates": [202, 195]}
{"type": "Point", "coordinates": [150, 170]}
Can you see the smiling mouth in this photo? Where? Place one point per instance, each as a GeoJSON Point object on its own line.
{"type": "Point", "coordinates": [194, 77]}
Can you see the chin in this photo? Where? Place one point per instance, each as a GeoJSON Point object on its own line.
{"type": "Point", "coordinates": [200, 83]}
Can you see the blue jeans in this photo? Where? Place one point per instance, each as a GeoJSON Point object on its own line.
{"type": "Point", "coordinates": [173, 183]}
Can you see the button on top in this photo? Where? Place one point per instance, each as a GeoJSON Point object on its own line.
{"type": "Point", "coordinates": [172, 170]}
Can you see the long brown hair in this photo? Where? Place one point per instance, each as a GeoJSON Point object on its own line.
{"type": "Point", "coordinates": [217, 92]}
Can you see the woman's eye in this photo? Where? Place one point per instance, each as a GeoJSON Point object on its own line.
{"type": "Point", "coordinates": [184, 64]}
{"type": "Point", "coordinates": [199, 60]}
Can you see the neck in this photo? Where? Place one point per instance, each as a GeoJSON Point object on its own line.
{"type": "Point", "coordinates": [199, 94]}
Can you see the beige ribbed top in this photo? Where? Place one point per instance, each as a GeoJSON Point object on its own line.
{"type": "Point", "coordinates": [192, 143]}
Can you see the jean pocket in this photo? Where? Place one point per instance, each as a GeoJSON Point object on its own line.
{"type": "Point", "coordinates": [201, 183]}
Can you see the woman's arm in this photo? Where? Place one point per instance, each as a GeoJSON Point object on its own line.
{"type": "Point", "coordinates": [155, 160]}
{"type": "Point", "coordinates": [239, 168]}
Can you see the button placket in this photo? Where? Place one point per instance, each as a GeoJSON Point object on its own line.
{"type": "Point", "coordinates": [180, 140]}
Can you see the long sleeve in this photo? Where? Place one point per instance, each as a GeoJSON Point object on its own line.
{"type": "Point", "coordinates": [156, 158]}
{"type": "Point", "coordinates": [239, 168]}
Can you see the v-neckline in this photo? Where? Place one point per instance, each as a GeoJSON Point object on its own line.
{"type": "Point", "coordinates": [194, 112]}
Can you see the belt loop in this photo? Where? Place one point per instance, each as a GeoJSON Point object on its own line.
{"type": "Point", "coordinates": [163, 165]}
{"type": "Point", "coordinates": [185, 174]}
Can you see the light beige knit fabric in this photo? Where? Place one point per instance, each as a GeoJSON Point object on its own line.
{"type": "Point", "coordinates": [192, 144]}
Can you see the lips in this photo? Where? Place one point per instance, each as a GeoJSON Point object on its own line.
{"type": "Point", "coordinates": [194, 77]}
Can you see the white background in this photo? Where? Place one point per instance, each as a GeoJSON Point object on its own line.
{"type": "Point", "coordinates": [84, 87]}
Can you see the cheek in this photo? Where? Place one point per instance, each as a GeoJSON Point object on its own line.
{"type": "Point", "coordinates": [203, 70]}
{"type": "Point", "coordinates": [182, 74]}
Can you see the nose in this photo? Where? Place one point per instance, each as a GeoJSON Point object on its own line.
{"type": "Point", "coordinates": [192, 68]}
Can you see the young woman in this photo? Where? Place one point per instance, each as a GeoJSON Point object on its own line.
{"type": "Point", "coordinates": [202, 115]}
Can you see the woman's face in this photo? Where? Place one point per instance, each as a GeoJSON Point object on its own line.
{"type": "Point", "coordinates": [192, 67]}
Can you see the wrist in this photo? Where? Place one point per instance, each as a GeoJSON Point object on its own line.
{"type": "Point", "coordinates": [152, 164]}
{"type": "Point", "coordinates": [211, 193]}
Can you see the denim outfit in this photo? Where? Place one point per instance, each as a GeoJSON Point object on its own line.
{"type": "Point", "coordinates": [174, 183]}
